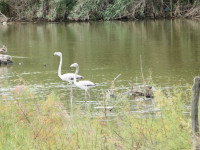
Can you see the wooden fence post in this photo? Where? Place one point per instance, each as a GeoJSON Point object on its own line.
{"type": "Point", "coordinates": [194, 112]}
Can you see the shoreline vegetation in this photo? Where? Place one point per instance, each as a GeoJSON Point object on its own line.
{"type": "Point", "coordinates": [97, 10]}
{"type": "Point", "coordinates": [31, 123]}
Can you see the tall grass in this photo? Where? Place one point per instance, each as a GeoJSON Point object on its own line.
{"type": "Point", "coordinates": [30, 10]}
{"type": "Point", "coordinates": [30, 123]}
{"type": "Point", "coordinates": [83, 10]}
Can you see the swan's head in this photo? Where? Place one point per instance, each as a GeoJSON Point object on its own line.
{"type": "Point", "coordinates": [74, 65]}
{"type": "Point", "coordinates": [57, 53]}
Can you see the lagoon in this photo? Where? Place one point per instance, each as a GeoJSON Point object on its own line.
{"type": "Point", "coordinates": [170, 51]}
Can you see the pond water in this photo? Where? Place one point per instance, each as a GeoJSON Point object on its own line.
{"type": "Point", "coordinates": [170, 51]}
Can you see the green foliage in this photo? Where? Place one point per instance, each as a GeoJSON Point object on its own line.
{"type": "Point", "coordinates": [59, 8]}
{"type": "Point", "coordinates": [104, 9]}
{"type": "Point", "coordinates": [82, 10]}
{"type": "Point", "coordinates": [28, 123]}
{"type": "Point", "coordinates": [4, 7]}
{"type": "Point", "coordinates": [119, 9]}
{"type": "Point", "coordinates": [88, 10]}
{"type": "Point", "coordinates": [39, 9]}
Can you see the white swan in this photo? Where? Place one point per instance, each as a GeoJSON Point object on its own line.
{"type": "Point", "coordinates": [85, 85]}
{"type": "Point", "coordinates": [69, 77]}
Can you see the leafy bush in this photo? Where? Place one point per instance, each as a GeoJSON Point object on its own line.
{"type": "Point", "coordinates": [4, 7]}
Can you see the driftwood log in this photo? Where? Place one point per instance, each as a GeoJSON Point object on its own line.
{"type": "Point", "coordinates": [194, 113]}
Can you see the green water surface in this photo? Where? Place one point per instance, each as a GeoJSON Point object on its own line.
{"type": "Point", "coordinates": [170, 51]}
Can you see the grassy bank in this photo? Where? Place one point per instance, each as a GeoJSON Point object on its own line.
{"type": "Point", "coordinates": [30, 123]}
{"type": "Point", "coordinates": [83, 10]}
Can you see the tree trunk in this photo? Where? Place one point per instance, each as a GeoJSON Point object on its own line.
{"type": "Point", "coordinates": [194, 112]}
{"type": "Point", "coordinates": [171, 8]}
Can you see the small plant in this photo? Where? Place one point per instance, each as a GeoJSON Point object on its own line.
{"type": "Point", "coordinates": [30, 123]}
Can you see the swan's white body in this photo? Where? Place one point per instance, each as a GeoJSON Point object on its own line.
{"type": "Point", "coordinates": [85, 85]}
{"type": "Point", "coordinates": [69, 77]}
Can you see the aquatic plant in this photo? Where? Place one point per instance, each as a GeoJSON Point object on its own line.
{"type": "Point", "coordinates": [30, 123]}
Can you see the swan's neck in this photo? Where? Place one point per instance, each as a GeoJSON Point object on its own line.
{"type": "Point", "coordinates": [77, 69]}
{"type": "Point", "coordinates": [59, 68]}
